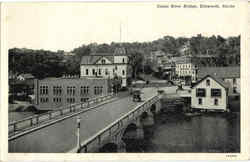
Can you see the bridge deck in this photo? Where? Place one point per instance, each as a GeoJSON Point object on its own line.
{"type": "Point", "coordinates": [61, 136]}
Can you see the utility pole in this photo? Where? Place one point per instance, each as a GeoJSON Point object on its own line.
{"type": "Point", "coordinates": [78, 121]}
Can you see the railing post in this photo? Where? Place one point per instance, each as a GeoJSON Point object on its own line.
{"type": "Point", "coordinates": [31, 121]}
{"type": "Point", "coordinates": [110, 131]}
{"type": "Point", "coordinates": [50, 115]}
{"type": "Point", "coordinates": [37, 119]}
{"type": "Point", "coordinates": [14, 125]}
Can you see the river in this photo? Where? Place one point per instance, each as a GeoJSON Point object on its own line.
{"type": "Point", "coordinates": [211, 133]}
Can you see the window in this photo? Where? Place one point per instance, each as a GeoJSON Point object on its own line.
{"type": "Point", "coordinates": [123, 72]}
{"type": "Point", "coordinates": [57, 90]}
{"type": "Point", "coordinates": [71, 90]}
{"type": "Point", "coordinates": [208, 82]}
{"type": "Point", "coordinates": [200, 101]}
{"type": "Point", "coordinates": [200, 92]}
{"type": "Point", "coordinates": [84, 90]}
{"type": "Point", "coordinates": [215, 101]}
{"type": "Point", "coordinates": [234, 81]}
{"type": "Point", "coordinates": [87, 71]}
{"type": "Point", "coordinates": [43, 100]}
{"type": "Point", "coordinates": [57, 99]}
{"type": "Point", "coordinates": [95, 90]}
{"type": "Point", "coordinates": [43, 90]}
{"type": "Point", "coordinates": [98, 90]}
{"type": "Point", "coordinates": [215, 92]}
{"type": "Point", "coordinates": [71, 100]}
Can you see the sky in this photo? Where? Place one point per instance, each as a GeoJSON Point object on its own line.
{"type": "Point", "coordinates": [65, 26]}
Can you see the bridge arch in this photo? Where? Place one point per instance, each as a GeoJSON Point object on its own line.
{"type": "Point", "coordinates": [130, 131]}
{"type": "Point", "coordinates": [131, 136]}
{"type": "Point", "coordinates": [109, 148]}
{"type": "Point", "coordinates": [144, 115]}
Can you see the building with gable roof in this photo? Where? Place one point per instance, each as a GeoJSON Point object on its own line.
{"type": "Point", "coordinates": [210, 93]}
{"type": "Point", "coordinates": [230, 74]}
{"type": "Point", "coordinates": [106, 65]}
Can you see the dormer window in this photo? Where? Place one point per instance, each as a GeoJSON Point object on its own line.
{"type": "Point", "coordinates": [208, 82]}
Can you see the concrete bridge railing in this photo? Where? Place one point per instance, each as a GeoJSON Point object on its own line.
{"type": "Point", "coordinates": [115, 130]}
{"type": "Point", "coordinates": [32, 121]}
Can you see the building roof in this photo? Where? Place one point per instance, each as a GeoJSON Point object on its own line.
{"type": "Point", "coordinates": [92, 59]}
{"type": "Point", "coordinates": [226, 85]}
{"type": "Point", "coordinates": [219, 72]}
{"type": "Point", "coordinates": [52, 79]}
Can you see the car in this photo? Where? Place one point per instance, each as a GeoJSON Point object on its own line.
{"type": "Point", "coordinates": [136, 95]}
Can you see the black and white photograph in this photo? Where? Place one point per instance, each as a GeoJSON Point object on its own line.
{"type": "Point", "coordinates": [142, 77]}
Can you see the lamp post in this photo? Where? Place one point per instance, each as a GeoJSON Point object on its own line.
{"type": "Point", "coordinates": [78, 121]}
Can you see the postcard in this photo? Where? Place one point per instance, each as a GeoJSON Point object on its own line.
{"type": "Point", "coordinates": [125, 80]}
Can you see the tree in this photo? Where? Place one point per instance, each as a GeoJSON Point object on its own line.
{"type": "Point", "coordinates": [135, 60]}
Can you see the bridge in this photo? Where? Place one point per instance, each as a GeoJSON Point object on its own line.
{"type": "Point", "coordinates": [106, 124]}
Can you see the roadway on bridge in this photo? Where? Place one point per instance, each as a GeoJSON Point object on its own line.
{"type": "Point", "coordinates": [61, 136]}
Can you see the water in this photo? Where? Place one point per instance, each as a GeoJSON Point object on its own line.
{"type": "Point", "coordinates": [210, 133]}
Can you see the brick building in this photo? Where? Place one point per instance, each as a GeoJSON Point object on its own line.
{"type": "Point", "coordinates": [57, 92]}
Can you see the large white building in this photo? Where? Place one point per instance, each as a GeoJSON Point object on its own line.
{"type": "Point", "coordinates": [107, 65]}
{"type": "Point", "coordinates": [210, 93]}
{"type": "Point", "coordinates": [185, 67]}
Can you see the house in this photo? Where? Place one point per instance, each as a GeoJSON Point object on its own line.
{"type": "Point", "coordinates": [106, 65]}
{"type": "Point", "coordinates": [210, 93]}
{"type": "Point", "coordinates": [26, 76]}
{"type": "Point", "coordinates": [230, 74]}
{"type": "Point", "coordinates": [53, 93]}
